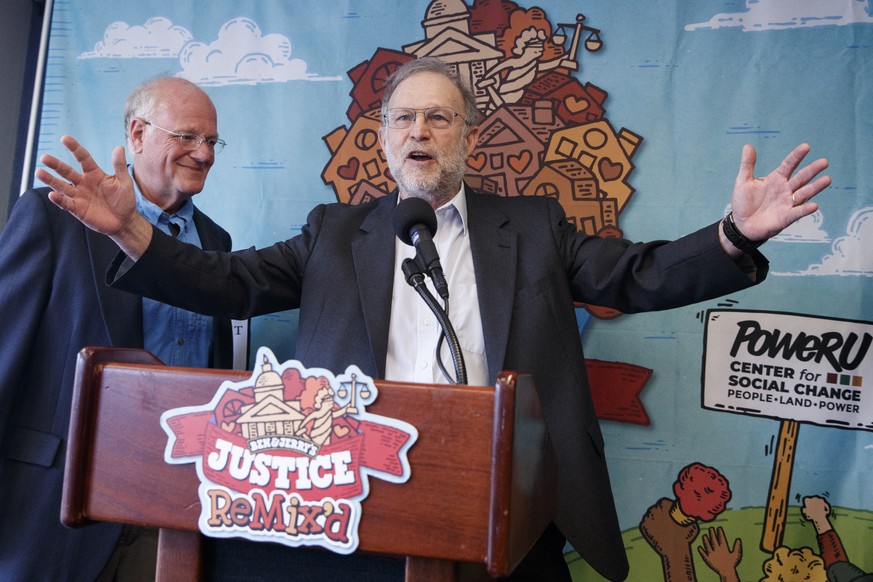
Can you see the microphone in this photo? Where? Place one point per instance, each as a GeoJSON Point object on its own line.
{"type": "Point", "coordinates": [415, 224]}
{"type": "Point", "coordinates": [415, 278]}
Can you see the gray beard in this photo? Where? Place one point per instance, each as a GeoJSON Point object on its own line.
{"type": "Point", "coordinates": [436, 189]}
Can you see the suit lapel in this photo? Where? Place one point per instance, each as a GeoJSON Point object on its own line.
{"type": "Point", "coordinates": [121, 312]}
{"type": "Point", "coordinates": [495, 260]}
{"type": "Point", "coordinates": [373, 255]}
{"type": "Point", "coordinates": [209, 240]}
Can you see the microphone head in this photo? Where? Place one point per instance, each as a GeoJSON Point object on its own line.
{"type": "Point", "coordinates": [411, 212]}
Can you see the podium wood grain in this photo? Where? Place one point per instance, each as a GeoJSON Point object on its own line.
{"type": "Point", "coordinates": [481, 490]}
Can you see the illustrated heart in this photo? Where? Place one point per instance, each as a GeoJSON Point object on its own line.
{"type": "Point", "coordinates": [575, 104]}
{"type": "Point", "coordinates": [520, 162]}
{"type": "Point", "coordinates": [477, 162]}
{"type": "Point", "coordinates": [609, 170]}
{"type": "Point", "coordinates": [350, 170]}
{"type": "Point", "coordinates": [341, 431]}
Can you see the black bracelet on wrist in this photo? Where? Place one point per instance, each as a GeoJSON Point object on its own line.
{"type": "Point", "coordinates": [737, 238]}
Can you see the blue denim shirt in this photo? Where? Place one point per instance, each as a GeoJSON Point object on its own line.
{"type": "Point", "coordinates": [175, 336]}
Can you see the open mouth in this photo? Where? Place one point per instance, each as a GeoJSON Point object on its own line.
{"type": "Point", "coordinates": [419, 156]}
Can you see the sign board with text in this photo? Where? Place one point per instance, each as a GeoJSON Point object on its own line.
{"type": "Point", "coordinates": [789, 367]}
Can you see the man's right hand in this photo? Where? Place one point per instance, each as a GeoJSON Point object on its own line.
{"type": "Point", "coordinates": [102, 202]}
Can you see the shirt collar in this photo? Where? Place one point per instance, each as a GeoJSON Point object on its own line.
{"type": "Point", "coordinates": [460, 203]}
{"type": "Point", "coordinates": [153, 213]}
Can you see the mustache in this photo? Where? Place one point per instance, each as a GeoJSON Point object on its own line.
{"type": "Point", "coordinates": [427, 150]}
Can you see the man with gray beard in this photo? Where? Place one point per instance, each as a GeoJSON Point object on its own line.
{"type": "Point", "coordinates": [514, 267]}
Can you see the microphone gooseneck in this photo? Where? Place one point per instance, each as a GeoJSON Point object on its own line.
{"type": "Point", "coordinates": [415, 278]}
{"type": "Point", "coordinates": [415, 223]}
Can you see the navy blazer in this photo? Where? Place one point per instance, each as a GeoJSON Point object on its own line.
{"type": "Point", "coordinates": [530, 263]}
{"type": "Point", "coordinates": [53, 302]}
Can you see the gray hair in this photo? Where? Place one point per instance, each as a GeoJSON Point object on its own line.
{"type": "Point", "coordinates": [142, 99]}
{"type": "Point", "coordinates": [440, 67]}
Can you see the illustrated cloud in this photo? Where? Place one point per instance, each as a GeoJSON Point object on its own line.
{"type": "Point", "coordinates": [849, 254]}
{"type": "Point", "coordinates": [158, 38]}
{"type": "Point", "coordinates": [785, 14]}
{"type": "Point", "coordinates": [241, 55]}
{"type": "Point", "coordinates": [807, 229]}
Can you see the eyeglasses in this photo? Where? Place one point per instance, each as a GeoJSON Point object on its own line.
{"type": "Point", "coordinates": [191, 141]}
{"type": "Point", "coordinates": [435, 117]}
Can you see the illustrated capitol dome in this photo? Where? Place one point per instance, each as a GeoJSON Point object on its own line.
{"type": "Point", "coordinates": [442, 11]}
{"type": "Point", "coordinates": [269, 383]}
{"type": "Point", "coordinates": [269, 415]}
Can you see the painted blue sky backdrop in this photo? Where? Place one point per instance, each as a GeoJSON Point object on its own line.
{"type": "Point", "coordinates": [696, 79]}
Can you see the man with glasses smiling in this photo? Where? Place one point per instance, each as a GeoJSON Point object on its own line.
{"type": "Point", "coordinates": [54, 302]}
{"type": "Point", "coordinates": [514, 268]}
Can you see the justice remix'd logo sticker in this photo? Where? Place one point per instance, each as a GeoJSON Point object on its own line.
{"type": "Point", "coordinates": [286, 455]}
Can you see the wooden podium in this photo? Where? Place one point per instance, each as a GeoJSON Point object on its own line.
{"type": "Point", "coordinates": [482, 486]}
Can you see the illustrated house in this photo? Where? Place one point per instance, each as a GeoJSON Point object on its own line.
{"type": "Point", "coordinates": [447, 36]}
{"type": "Point", "coordinates": [576, 188]}
{"type": "Point", "coordinates": [605, 153]}
{"type": "Point", "coordinates": [369, 80]}
{"type": "Point", "coordinates": [270, 415]}
{"type": "Point", "coordinates": [573, 102]}
{"type": "Point", "coordinates": [510, 148]}
{"type": "Point", "coordinates": [364, 192]}
{"type": "Point", "coordinates": [356, 157]}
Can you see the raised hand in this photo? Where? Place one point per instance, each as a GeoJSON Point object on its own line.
{"type": "Point", "coordinates": [104, 203]}
{"type": "Point", "coordinates": [764, 207]}
{"type": "Point", "coordinates": [818, 511]}
{"type": "Point", "coordinates": [723, 560]}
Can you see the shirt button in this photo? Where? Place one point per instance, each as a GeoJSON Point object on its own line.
{"type": "Point", "coordinates": [427, 321]}
{"type": "Point", "coordinates": [423, 365]}
{"type": "Point", "coordinates": [180, 341]}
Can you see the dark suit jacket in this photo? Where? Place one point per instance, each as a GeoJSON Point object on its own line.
{"type": "Point", "coordinates": [530, 265]}
{"type": "Point", "coordinates": [53, 303]}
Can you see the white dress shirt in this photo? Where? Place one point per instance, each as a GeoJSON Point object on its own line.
{"type": "Point", "coordinates": [414, 330]}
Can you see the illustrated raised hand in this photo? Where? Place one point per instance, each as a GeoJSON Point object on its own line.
{"type": "Point", "coordinates": [723, 560]}
{"type": "Point", "coordinates": [818, 511]}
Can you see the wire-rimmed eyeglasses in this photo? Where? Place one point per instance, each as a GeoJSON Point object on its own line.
{"type": "Point", "coordinates": [192, 141]}
{"type": "Point", "coordinates": [435, 117]}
